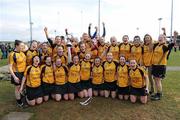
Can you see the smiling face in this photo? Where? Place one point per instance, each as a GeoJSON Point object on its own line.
{"type": "Point", "coordinates": [58, 40]}
{"type": "Point", "coordinates": [136, 41]}
{"type": "Point", "coordinates": [75, 60]}
{"type": "Point", "coordinates": [58, 62]}
{"type": "Point", "coordinates": [60, 51]}
{"type": "Point", "coordinates": [34, 45]}
{"type": "Point", "coordinates": [36, 61]}
{"type": "Point", "coordinates": [97, 61]}
{"type": "Point", "coordinates": [122, 60]}
{"type": "Point", "coordinates": [48, 61]}
{"type": "Point", "coordinates": [87, 56]}
{"type": "Point", "coordinates": [82, 47]}
{"type": "Point", "coordinates": [133, 64]}
{"type": "Point", "coordinates": [109, 57]}
{"type": "Point", "coordinates": [162, 39]}
{"type": "Point", "coordinates": [113, 41]}
{"type": "Point", "coordinates": [125, 39]}
{"type": "Point", "coordinates": [44, 47]}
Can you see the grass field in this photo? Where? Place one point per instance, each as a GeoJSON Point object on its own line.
{"type": "Point", "coordinates": [100, 108]}
{"type": "Point", "coordinates": [174, 59]}
{"type": "Point", "coordinates": [3, 62]}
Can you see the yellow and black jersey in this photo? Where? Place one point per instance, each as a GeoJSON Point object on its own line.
{"type": "Point", "coordinates": [110, 71]}
{"type": "Point", "coordinates": [122, 79]}
{"type": "Point", "coordinates": [33, 76]}
{"type": "Point", "coordinates": [101, 50]}
{"type": "Point", "coordinates": [63, 59]}
{"type": "Point", "coordinates": [125, 49]}
{"type": "Point", "coordinates": [60, 74]}
{"type": "Point", "coordinates": [54, 51]}
{"type": "Point", "coordinates": [97, 75]}
{"type": "Point", "coordinates": [136, 53]}
{"type": "Point", "coordinates": [81, 55]}
{"type": "Point", "coordinates": [18, 61]}
{"type": "Point", "coordinates": [160, 53]}
{"type": "Point", "coordinates": [74, 73]}
{"type": "Point", "coordinates": [147, 55]}
{"type": "Point", "coordinates": [85, 72]}
{"type": "Point", "coordinates": [115, 51]}
{"type": "Point", "coordinates": [45, 54]}
{"type": "Point", "coordinates": [29, 55]}
{"type": "Point", "coordinates": [94, 53]}
{"type": "Point", "coordinates": [75, 50]}
{"type": "Point", "coordinates": [137, 77]}
{"type": "Point", "coordinates": [47, 74]}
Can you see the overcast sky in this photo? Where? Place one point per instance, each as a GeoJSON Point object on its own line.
{"type": "Point", "coordinates": [120, 17]}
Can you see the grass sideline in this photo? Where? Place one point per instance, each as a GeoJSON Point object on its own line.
{"type": "Point", "coordinates": [101, 108]}
{"type": "Point", "coordinates": [3, 62]}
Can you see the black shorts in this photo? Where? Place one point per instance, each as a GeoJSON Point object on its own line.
{"type": "Point", "coordinates": [47, 88]}
{"type": "Point", "coordinates": [138, 91]}
{"type": "Point", "coordinates": [159, 71]}
{"type": "Point", "coordinates": [19, 75]}
{"type": "Point", "coordinates": [111, 86]}
{"type": "Point", "coordinates": [98, 86]}
{"type": "Point", "coordinates": [74, 87]}
{"type": "Point", "coordinates": [123, 90]}
{"type": "Point", "coordinates": [61, 89]}
{"type": "Point", "coordinates": [86, 84]}
{"type": "Point", "coordinates": [34, 93]}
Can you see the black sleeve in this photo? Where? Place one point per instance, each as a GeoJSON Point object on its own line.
{"type": "Point", "coordinates": [43, 71]}
{"type": "Point", "coordinates": [116, 63]}
{"type": "Point", "coordinates": [65, 69]}
{"type": "Point", "coordinates": [142, 50]}
{"type": "Point", "coordinates": [103, 64]}
{"type": "Point", "coordinates": [154, 46]}
{"type": "Point", "coordinates": [104, 31]}
{"type": "Point", "coordinates": [168, 48]}
{"type": "Point", "coordinates": [51, 42]}
{"type": "Point", "coordinates": [89, 32]}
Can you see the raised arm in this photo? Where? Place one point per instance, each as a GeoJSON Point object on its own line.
{"type": "Point", "coordinates": [104, 30]}
{"type": "Point", "coordinates": [89, 32]}
{"type": "Point", "coordinates": [47, 37]}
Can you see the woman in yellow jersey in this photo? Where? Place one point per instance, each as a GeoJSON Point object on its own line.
{"type": "Point", "coordinates": [122, 79]}
{"type": "Point", "coordinates": [102, 49]}
{"type": "Point", "coordinates": [136, 50]}
{"type": "Point", "coordinates": [45, 51]}
{"type": "Point", "coordinates": [17, 66]}
{"type": "Point", "coordinates": [114, 48]}
{"type": "Point", "coordinates": [97, 77]}
{"type": "Point", "coordinates": [85, 75]}
{"type": "Point", "coordinates": [110, 68]}
{"type": "Point", "coordinates": [60, 77]}
{"type": "Point", "coordinates": [61, 54]}
{"type": "Point", "coordinates": [32, 80]}
{"type": "Point", "coordinates": [74, 85]}
{"type": "Point", "coordinates": [147, 57]}
{"type": "Point", "coordinates": [139, 82]}
{"type": "Point", "coordinates": [75, 47]}
{"type": "Point", "coordinates": [47, 77]}
{"type": "Point", "coordinates": [159, 62]}
{"type": "Point", "coordinates": [31, 52]}
{"type": "Point", "coordinates": [125, 47]}
{"type": "Point", "coordinates": [83, 50]}
{"type": "Point", "coordinates": [54, 44]}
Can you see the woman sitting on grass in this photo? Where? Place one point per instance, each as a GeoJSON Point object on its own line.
{"type": "Point", "coordinates": [32, 79]}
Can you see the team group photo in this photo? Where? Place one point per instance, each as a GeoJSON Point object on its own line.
{"type": "Point", "coordinates": [93, 70]}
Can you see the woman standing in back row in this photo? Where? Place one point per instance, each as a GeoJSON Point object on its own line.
{"type": "Point", "coordinates": [159, 62]}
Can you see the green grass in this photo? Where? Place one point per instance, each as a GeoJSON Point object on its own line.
{"type": "Point", "coordinates": [3, 62]}
{"type": "Point", "coordinates": [101, 108]}
{"type": "Point", "coordinates": [174, 58]}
